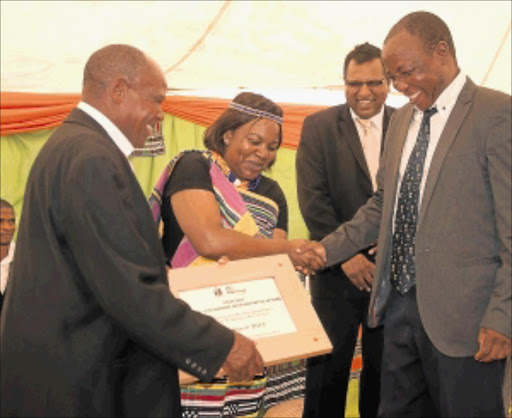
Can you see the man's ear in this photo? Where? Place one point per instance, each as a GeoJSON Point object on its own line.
{"type": "Point", "coordinates": [118, 90]}
{"type": "Point", "coordinates": [442, 50]}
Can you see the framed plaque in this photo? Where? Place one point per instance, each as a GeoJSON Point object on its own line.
{"type": "Point", "coordinates": [261, 298]}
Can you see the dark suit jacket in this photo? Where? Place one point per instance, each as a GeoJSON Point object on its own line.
{"type": "Point", "coordinates": [463, 239]}
{"type": "Point", "coordinates": [333, 182]}
{"type": "Point", "coordinates": [89, 326]}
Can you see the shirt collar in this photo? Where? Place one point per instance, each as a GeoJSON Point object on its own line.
{"type": "Point", "coordinates": [112, 130]}
{"type": "Point", "coordinates": [448, 97]}
{"type": "Point", "coordinates": [10, 254]}
{"type": "Point", "coordinates": [376, 119]}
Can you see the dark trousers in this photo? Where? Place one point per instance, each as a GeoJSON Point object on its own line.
{"type": "Point", "coordinates": [419, 381]}
{"type": "Point", "coordinates": [327, 376]}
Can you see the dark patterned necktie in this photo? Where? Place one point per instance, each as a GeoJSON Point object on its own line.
{"type": "Point", "coordinates": [403, 269]}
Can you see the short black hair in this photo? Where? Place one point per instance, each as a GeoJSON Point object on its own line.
{"type": "Point", "coordinates": [428, 27]}
{"type": "Point", "coordinates": [232, 119]}
{"type": "Point", "coordinates": [360, 54]}
{"type": "Point", "coordinates": [6, 205]}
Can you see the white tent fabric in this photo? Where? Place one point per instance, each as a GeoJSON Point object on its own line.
{"type": "Point", "coordinates": [293, 49]}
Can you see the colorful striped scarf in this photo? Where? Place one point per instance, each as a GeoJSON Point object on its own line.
{"type": "Point", "coordinates": [247, 212]}
{"type": "Point", "coordinates": [241, 209]}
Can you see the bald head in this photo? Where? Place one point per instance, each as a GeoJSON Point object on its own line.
{"type": "Point", "coordinates": [109, 63]}
{"type": "Point", "coordinates": [427, 27]}
{"type": "Point", "coordinates": [128, 87]}
{"type": "Point", "coordinates": [419, 58]}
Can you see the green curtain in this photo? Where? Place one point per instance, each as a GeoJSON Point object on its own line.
{"type": "Point", "coordinates": [17, 153]}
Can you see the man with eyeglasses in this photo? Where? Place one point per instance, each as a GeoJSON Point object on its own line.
{"type": "Point", "coordinates": [337, 161]}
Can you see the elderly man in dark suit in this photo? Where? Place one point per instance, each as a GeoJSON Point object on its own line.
{"type": "Point", "coordinates": [89, 326]}
{"type": "Point", "coordinates": [442, 216]}
{"type": "Point", "coordinates": [337, 160]}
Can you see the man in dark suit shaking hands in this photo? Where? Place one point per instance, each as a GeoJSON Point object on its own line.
{"type": "Point", "coordinates": [89, 326]}
{"type": "Point", "coordinates": [337, 160]}
{"type": "Point", "coordinates": [442, 216]}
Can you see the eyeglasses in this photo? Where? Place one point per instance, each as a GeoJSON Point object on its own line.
{"type": "Point", "coordinates": [370, 83]}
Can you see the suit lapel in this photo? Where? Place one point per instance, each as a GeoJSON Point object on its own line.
{"type": "Point", "coordinates": [349, 132]}
{"type": "Point", "coordinates": [385, 123]}
{"type": "Point", "coordinates": [80, 117]}
{"type": "Point", "coordinates": [396, 137]}
{"type": "Point", "coordinates": [395, 153]}
{"type": "Point", "coordinates": [459, 112]}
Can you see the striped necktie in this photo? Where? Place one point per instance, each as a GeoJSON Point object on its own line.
{"type": "Point", "coordinates": [403, 269]}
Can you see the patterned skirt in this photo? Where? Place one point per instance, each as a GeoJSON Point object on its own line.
{"type": "Point", "coordinates": [251, 399]}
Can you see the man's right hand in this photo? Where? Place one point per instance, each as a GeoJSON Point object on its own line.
{"type": "Point", "coordinates": [360, 271]}
{"type": "Point", "coordinates": [307, 256]}
{"type": "Point", "coordinates": [243, 361]}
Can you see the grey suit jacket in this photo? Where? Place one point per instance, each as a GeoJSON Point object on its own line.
{"type": "Point", "coordinates": [463, 239]}
{"type": "Point", "coordinates": [89, 326]}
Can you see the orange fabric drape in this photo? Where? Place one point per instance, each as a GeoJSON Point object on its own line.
{"type": "Point", "coordinates": [25, 112]}
{"type": "Point", "coordinates": [204, 111]}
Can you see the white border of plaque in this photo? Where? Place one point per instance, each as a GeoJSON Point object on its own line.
{"type": "Point", "coordinates": [262, 298]}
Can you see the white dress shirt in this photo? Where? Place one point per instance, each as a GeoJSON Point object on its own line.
{"type": "Point", "coordinates": [444, 104]}
{"type": "Point", "coordinates": [113, 131]}
{"type": "Point", "coordinates": [5, 264]}
{"type": "Point", "coordinates": [370, 141]}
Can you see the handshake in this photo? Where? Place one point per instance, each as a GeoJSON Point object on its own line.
{"type": "Point", "coordinates": [307, 256]}
{"type": "Point", "coordinates": [244, 360]}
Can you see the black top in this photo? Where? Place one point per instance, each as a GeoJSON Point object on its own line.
{"type": "Point", "coordinates": [192, 171]}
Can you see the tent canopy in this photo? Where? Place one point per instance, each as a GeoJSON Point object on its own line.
{"type": "Point", "coordinates": [290, 50]}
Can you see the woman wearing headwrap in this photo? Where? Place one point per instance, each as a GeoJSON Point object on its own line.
{"type": "Point", "coordinates": [217, 202]}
